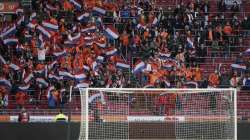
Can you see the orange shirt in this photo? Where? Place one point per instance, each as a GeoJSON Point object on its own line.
{"type": "Point", "coordinates": [197, 75]}
{"type": "Point", "coordinates": [125, 39]}
{"type": "Point", "coordinates": [213, 79]}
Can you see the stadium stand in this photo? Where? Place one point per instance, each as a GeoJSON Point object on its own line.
{"type": "Point", "coordinates": [116, 43]}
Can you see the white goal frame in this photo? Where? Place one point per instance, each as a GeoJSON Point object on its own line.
{"type": "Point", "coordinates": [84, 130]}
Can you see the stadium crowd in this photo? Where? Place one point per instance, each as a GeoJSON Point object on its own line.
{"type": "Point", "coordinates": [96, 43]}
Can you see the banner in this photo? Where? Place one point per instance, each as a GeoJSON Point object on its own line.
{"type": "Point", "coordinates": [8, 7]}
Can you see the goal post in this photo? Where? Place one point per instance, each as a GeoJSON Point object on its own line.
{"type": "Point", "coordinates": [150, 113]}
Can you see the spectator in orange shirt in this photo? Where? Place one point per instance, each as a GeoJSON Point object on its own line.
{"type": "Point", "coordinates": [67, 6]}
{"type": "Point", "coordinates": [214, 79]}
{"type": "Point", "coordinates": [21, 98]}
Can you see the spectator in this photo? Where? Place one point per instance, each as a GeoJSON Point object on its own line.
{"type": "Point", "coordinates": [21, 99]}
{"type": "Point", "coordinates": [246, 83]}
{"type": "Point", "coordinates": [60, 117]}
{"type": "Point", "coordinates": [214, 79]}
{"type": "Point", "coordinates": [23, 116]}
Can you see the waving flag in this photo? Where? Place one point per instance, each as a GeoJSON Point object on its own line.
{"type": "Point", "coordinates": [5, 82]}
{"type": "Point", "coordinates": [32, 16]}
{"type": "Point", "coordinates": [99, 11]}
{"type": "Point", "coordinates": [111, 51]}
{"type": "Point", "coordinates": [60, 54]}
{"type": "Point", "coordinates": [54, 77]}
{"type": "Point", "coordinates": [85, 67]}
{"type": "Point", "coordinates": [74, 38]}
{"type": "Point", "coordinates": [76, 4]}
{"type": "Point", "coordinates": [122, 65]}
{"type": "Point", "coordinates": [82, 85]}
{"type": "Point", "coordinates": [164, 56]}
{"type": "Point", "coordinates": [111, 33]}
{"type": "Point", "coordinates": [9, 32]}
{"type": "Point", "coordinates": [88, 40]}
{"type": "Point", "coordinates": [42, 81]}
{"type": "Point", "coordinates": [84, 17]}
{"type": "Point", "coordinates": [100, 43]}
{"type": "Point", "coordinates": [80, 77]}
{"type": "Point", "coordinates": [24, 88]}
{"type": "Point", "coordinates": [44, 31]}
{"type": "Point", "coordinates": [14, 67]}
{"type": "Point", "coordinates": [50, 26]}
{"type": "Point", "coordinates": [66, 75]}
{"type": "Point", "coordinates": [10, 41]}
{"type": "Point", "coordinates": [90, 29]}
{"type": "Point", "coordinates": [28, 77]}
{"type": "Point", "coordinates": [139, 66]}
{"type": "Point", "coordinates": [239, 66]}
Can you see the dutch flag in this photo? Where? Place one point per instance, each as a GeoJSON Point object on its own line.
{"type": "Point", "coordinates": [164, 56]}
{"type": "Point", "coordinates": [122, 65]}
{"type": "Point", "coordinates": [239, 66]}
{"type": "Point", "coordinates": [44, 31]}
{"type": "Point", "coordinates": [5, 82]}
{"type": "Point", "coordinates": [89, 40]}
{"type": "Point", "coordinates": [139, 66]}
{"type": "Point", "coordinates": [76, 4]}
{"type": "Point", "coordinates": [111, 51]}
{"type": "Point", "coordinates": [50, 26]}
{"type": "Point", "coordinates": [66, 75]}
{"type": "Point", "coordinates": [84, 17]}
{"type": "Point", "coordinates": [54, 77]}
{"type": "Point", "coordinates": [82, 85]}
{"type": "Point", "coordinates": [90, 29]}
{"type": "Point", "coordinates": [80, 77]}
{"type": "Point", "coordinates": [42, 81]}
{"type": "Point", "coordinates": [20, 20]}
{"type": "Point", "coordinates": [99, 11]}
{"type": "Point", "coordinates": [100, 43]}
{"type": "Point", "coordinates": [155, 21]}
{"type": "Point", "coordinates": [60, 54]}
{"type": "Point", "coordinates": [9, 32]}
{"type": "Point", "coordinates": [140, 26]}
{"type": "Point", "coordinates": [32, 16]}
{"type": "Point", "coordinates": [50, 7]}
{"type": "Point", "coordinates": [31, 25]}
{"type": "Point", "coordinates": [24, 88]}
{"type": "Point", "coordinates": [10, 41]}
{"type": "Point", "coordinates": [14, 67]}
{"type": "Point", "coordinates": [111, 33]}
{"type": "Point", "coordinates": [85, 67]}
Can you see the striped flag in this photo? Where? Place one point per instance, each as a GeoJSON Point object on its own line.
{"type": "Point", "coordinates": [44, 31]}
{"type": "Point", "coordinates": [11, 31]}
{"type": "Point", "coordinates": [239, 66]}
{"type": "Point", "coordinates": [5, 82]}
{"type": "Point", "coordinates": [76, 4]}
{"type": "Point", "coordinates": [14, 67]}
{"type": "Point", "coordinates": [50, 26]}
{"type": "Point", "coordinates": [54, 77]}
{"type": "Point", "coordinates": [66, 75]}
{"type": "Point", "coordinates": [60, 54]}
{"type": "Point", "coordinates": [24, 88]}
{"type": "Point", "coordinates": [139, 66]}
{"type": "Point", "coordinates": [42, 81]}
{"type": "Point", "coordinates": [111, 33]}
{"type": "Point", "coordinates": [82, 85]}
{"type": "Point", "coordinates": [111, 51]}
{"type": "Point", "coordinates": [247, 51]}
{"type": "Point", "coordinates": [10, 41]}
{"type": "Point", "coordinates": [80, 77]}
{"type": "Point", "coordinates": [99, 11]}
{"type": "Point", "coordinates": [89, 29]}
{"type": "Point", "coordinates": [122, 65]}
{"type": "Point", "coordinates": [84, 17]}
{"type": "Point", "coordinates": [2, 59]}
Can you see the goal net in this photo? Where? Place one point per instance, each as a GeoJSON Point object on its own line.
{"type": "Point", "coordinates": [182, 114]}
